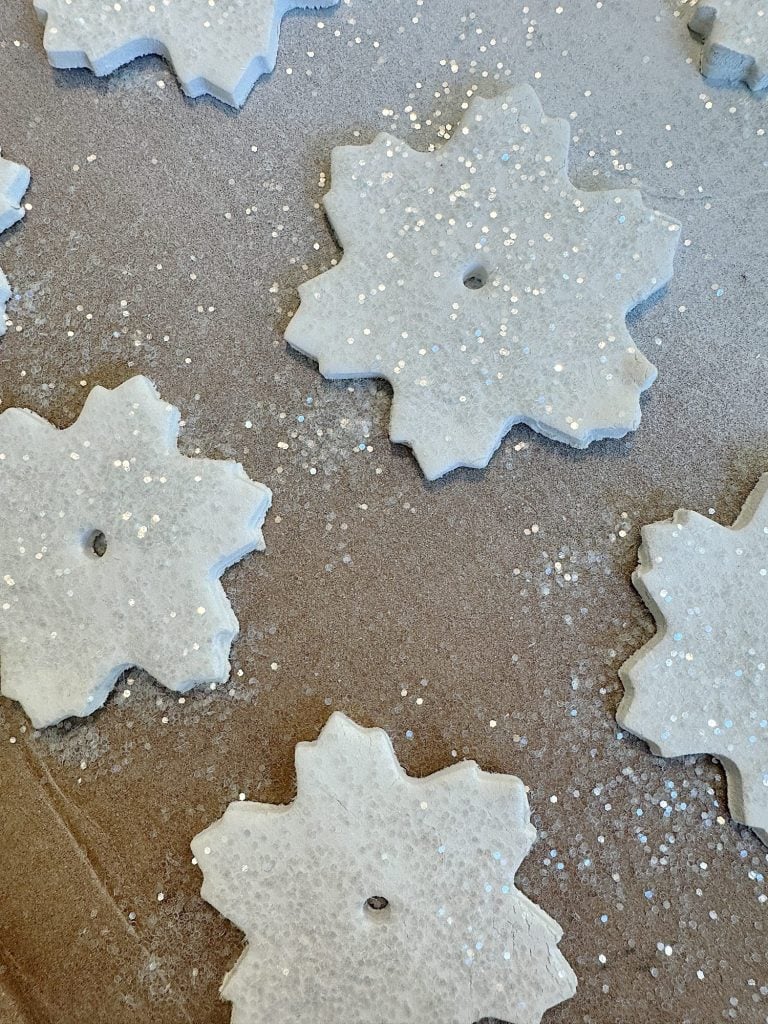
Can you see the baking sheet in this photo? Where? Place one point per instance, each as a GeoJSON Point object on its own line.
{"type": "Point", "coordinates": [482, 616]}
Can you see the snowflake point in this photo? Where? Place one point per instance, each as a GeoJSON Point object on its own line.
{"type": "Point", "coordinates": [734, 37]}
{"type": "Point", "coordinates": [14, 182]}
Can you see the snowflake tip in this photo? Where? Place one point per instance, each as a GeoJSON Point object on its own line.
{"type": "Point", "coordinates": [14, 182]}
{"type": "Point", "coordinates": [734, 34]}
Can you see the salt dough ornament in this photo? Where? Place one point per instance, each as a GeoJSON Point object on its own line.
{"type": "Point", "coordinates": [14, 182]}
{"type": "Point", "coordinates": [701, 685]}
{"type": "Point", "coordinates": [221, 49]}
{"type": "Point", "coordinates": [111, 547]}
{"type": "Point", "coordinates": [484, 287]}
{"type": "Point", "coordinates": [735, 37]}
{"type": "Point", "coordinates": [378, 897]}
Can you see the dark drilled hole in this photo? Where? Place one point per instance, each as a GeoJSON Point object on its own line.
{"type": "Point", "coordinates": [377, 903]}
{"type": "Point", "coordinates": [476, 277]}
{"type": "Point", "coordinates": [97, 543]}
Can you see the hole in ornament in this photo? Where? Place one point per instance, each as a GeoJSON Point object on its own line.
{"type": "Point", "coordinates": [476, 277]}
{"type": "Point", "coordinates": [97, 543]}
{"type": "Point", "coordinates": [376, 903]}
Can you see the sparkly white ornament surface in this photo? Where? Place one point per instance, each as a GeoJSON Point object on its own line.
{"type": "Point", "coordinates": [217, 48]}
{"type": "Point", "coordinates": [735, 36]}
{"type": "Point", "coordinates": [14, 182]}
{"type": "Point", "coordinates": [111, 546]}
{"type": "Point", "coordinates": [378, 897]}
{"type": "Point", "coordinates": [700, 686]}
{"type": "Point", "coordinates": [484, 287]}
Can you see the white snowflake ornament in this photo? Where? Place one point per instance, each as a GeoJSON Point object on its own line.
{"type": "Point", "coordinates": [220, 49]}
{"type": "Point", "coordinates": [485, 287]}
{"type": "Point", "coordinates": [14, 182]}
{"type": "Point", "coordinates": [700, 686]}
{"type": "Point", "coordinates": [735, 37]}
{"type": "Point", "coordinates": [111, 548]}
{"type": "Point", "coordinates": [377, 897]}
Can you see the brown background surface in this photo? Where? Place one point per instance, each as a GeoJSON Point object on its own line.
{"type": "Point", "coordinates": [498, 595]}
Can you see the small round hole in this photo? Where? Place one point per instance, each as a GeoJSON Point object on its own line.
{"type": "Point", "coordinates": [97, 543]}
{"type": "Point", "coordinates": [476, 277]}
{"type": "Point", "coordinates": [377, 903]}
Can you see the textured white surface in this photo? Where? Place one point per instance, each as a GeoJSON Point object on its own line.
{"type": "Point", "coordinates": [221, 48]}
{"type": "Point", "coordinates": [543, 339]}
{"type": "Point", "coordinates": [14, 182]}
{"type": "Point", "coordinates": [72, 620]}
{"type": "Point", "coordinates": [456, 941]}
{"type": "Point", "coordinates": [700, 685]}
{"type": "Point", "coordinates": [735, 35]}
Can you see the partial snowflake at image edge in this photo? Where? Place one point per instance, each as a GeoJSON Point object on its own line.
{"type": "Point", "coordinates": [112, 545]}
{"type": "Point", "coordinates": [220, 51]}
{"type": "Point", "coordinates": [734, 37]}
{"type": "Point", "coordinates": [377, 890]}
{"type": "Point", "coordinates": [699, 685]}
{"type": "Point", "coordinates": [485, 287]}
{"type": "Point", "coordinates": [14, 182]}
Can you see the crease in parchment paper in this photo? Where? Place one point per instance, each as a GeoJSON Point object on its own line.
{"type": "Point", "coordinates": [63, 845]}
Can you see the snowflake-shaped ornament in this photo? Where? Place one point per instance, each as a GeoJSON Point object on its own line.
{"type": "Point", "coordinates": [485, 287]}
{"type": "Point", "coordinates": [377, 897]}
{"type": "Point", "coordinates": [701, 685]}
{"type": "Point", "coordinates": [735, 37]}
{"type": "Point", "coordinates": [219, 48]}
{"type": "Point", "coordinates": [14, 182]}
{"type": "Point", "coordinates": [111, 548]}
